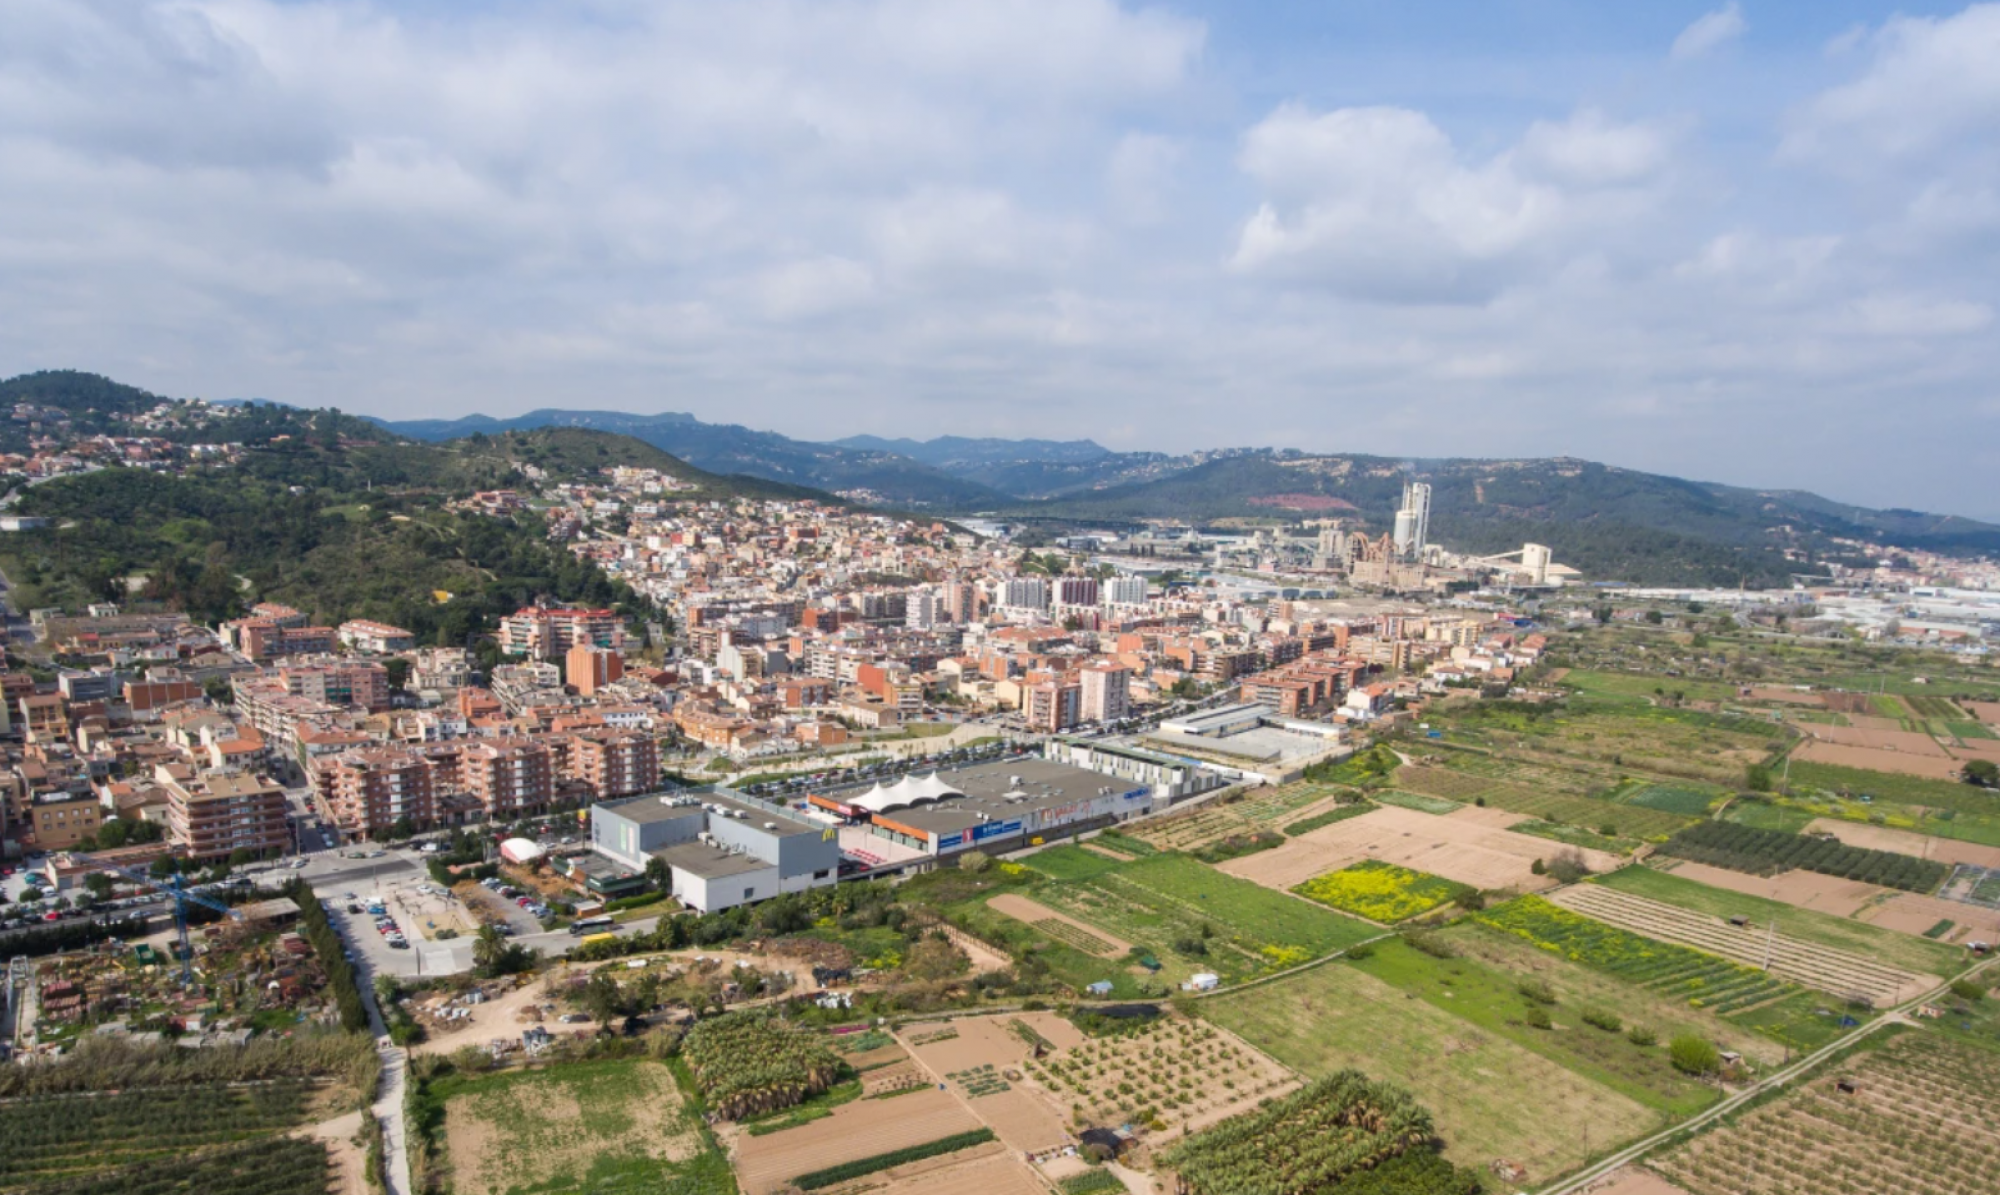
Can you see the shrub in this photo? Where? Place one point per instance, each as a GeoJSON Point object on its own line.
{"type": "Point", "coordinates": [1600, 1019]}
{"type": "Point", "coordinates": [1431, 944]}
{"type": "Point", "coordinates": [1360, 951]}
{"type": "Point", "coordinates": [1966, 989]}
{"type": "Point", "coordinates": [1536, 990]}
{"type": "Point", "coordinates": [1694, 1055]}
{"type": "Point", "coordinates": [1539, 868]}
{"type": "Point", "coordinates": [1639, 1035]}
{"type": "Point", "coordinates": [1538, 1018]}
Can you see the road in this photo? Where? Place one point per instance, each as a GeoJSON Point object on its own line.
{"type": "Point", "coordinates": [1632, 1153]}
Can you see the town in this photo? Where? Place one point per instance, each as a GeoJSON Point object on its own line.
{"type": "Point", "coordinates": [1084, 851]}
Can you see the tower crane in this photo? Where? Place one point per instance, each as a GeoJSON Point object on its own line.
{"type": "Point", "coordinates": [182, 896]}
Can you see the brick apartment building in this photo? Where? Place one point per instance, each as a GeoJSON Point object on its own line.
{"type": "Point", "coordinates": [1106, 691]}
{"type": "Point", "coordinates": [215, 814]}
{"type": "Point", "coordinates": [545, 632]}
{"type": "Point", "coordinates": [615, 763]}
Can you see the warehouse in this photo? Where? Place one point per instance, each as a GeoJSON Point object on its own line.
{"type": "Point", "coordinates": [723, 848]}
{"type": "Point", "coordinates": [996, 806]}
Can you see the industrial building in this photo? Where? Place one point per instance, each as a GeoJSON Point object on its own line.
{"type": "Point", "coordinates": [997, 806]}
{"type": "Point", "coordinates": [723, 848]}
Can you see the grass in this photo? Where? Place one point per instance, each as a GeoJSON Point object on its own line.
{"type": "Point", "coordinates": [1491, 1097]}
{"type": "Point", "coordinates": [1636, 686]}
{"type": "Point", "coordinates": [613, 1141]}
{"type": "Point", "coordinates": [1338, 814]}
{"type": "Point", "coordinates": [1491, 999]}
{"type": "Point", "coordinates": [1768, 815]}
{"type": "Point", "coordinates": [1689, 802]}
{"type": "Point", "coordinates": [1574, 836]}
{"type": "Point", "coordinates": [1420, 802]}
{"type": "Point", "coordinates": [1888, 786]}
{"type": "Point", "coordinates": [1888, 946]}
{"type": "Point", "coordinates": [1070, 862]}
{"type": "Point", "coordinates": [1157, 901]}
{"type": "Point", "coordinates": [1381, 891]}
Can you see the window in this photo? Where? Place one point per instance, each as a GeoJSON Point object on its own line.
{"type": "Point", "coordinates": [748, 893]}
{"type": "Point", "coordinates": [821, 874]}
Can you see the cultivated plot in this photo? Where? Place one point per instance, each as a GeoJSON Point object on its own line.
{"type": "Point", "coordinates": [1463, 851]}
{"type": "Point", "coordinates": [1492, 1099]}
{"type": "Point", "coordinates": [1832, 971]}
{"type": "Point", "coordinates": [1919, 1115]}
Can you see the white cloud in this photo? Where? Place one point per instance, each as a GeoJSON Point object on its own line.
{"type": "Point", "coordinates": [1709, 32]}
{"type": "Point", "coordinates": [1931, 83]}
{"type": "Point", "coordinates": [1378, 202]}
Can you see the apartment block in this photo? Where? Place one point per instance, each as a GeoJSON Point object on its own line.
{"type": "Point", "coordinates": [545, 632]}
{"type": "Point", "coordinates": [376, 638]}
{"type": "Point", "coordinates": [215, 814]}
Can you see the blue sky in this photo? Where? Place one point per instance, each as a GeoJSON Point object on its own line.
{"type": "Point", "coordinates": [1745, 242]}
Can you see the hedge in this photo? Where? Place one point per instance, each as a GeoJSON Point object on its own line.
{"type": "Point", "coordinates": [817, 1179]}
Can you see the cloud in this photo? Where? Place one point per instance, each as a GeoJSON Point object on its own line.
{"type": "Point", "coordinates": [1379, 203]}
{"type": "Point", "coordinates": [1709, 33]}
{"type": "Point", "coordinates": [1931, 86]}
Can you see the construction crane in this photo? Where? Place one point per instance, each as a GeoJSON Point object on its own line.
{"type": "Point", "coordinates": [182, 897]}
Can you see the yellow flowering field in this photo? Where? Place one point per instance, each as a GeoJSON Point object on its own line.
{"type": "Point", "coordinates": [1380, 891]}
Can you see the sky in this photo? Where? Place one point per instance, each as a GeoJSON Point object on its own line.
{"type": "Point", "coordinates": [1756, 243]}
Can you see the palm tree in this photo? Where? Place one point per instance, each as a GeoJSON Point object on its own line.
{"type": "Point", "coordinates": [488, 946]}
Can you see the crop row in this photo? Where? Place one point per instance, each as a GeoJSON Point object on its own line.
{"type": "Point", "coordinates": [1765, 852]}
{"type": "Point", "coordinates": [1699, 977]}
{"type": "Point", "coordinates": [64, 1133]}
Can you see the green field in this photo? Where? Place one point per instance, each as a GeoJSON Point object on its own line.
{"type": "Point", "coordinates": [616, 1127]}
{"type": "Point", "coordinates": [1421, 802]}
{"type": "Point", "coordinates": [1688, 802]}
{"type": "Point", "coordinates": [1491, 999]}
{"type": "Point", "coordinates": [1904, 790]}
{"type": "Point", "coordinates": [1767, 815]}
{"type": "Point", "coordinates": [1492, 1097]}
{"type": "Point", "coordinates": [1157, 901]}
{"type": "Point", "coordinates": [1623, 685]}
{"type": "Point", "coordinates": [1574, 836]}
{"type": "Point", "coordinates": [1381, 891]}
{"type": "Point", "coordinates": [1907, 951]}
{"type": "Point", "coordinates": [1629, 820]}
{"type": "Point", "coordinates": [1070, 863]}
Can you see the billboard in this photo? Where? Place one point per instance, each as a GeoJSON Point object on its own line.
{"type": "Point", "coordinates": [986, 830]}
{"type": "Point", "coordinates": [948, 841]}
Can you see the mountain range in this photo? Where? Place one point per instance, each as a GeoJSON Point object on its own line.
{"type": "Point", "coordinates": [1611, 522]}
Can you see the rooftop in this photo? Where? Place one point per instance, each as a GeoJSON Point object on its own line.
{"type": "Point", "coordinates": [710, 862]}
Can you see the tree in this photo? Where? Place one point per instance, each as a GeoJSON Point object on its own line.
{"type": "Point", "coordinates": [398, 669]}
{"type": "Point", "coordinates": [659, 877]}
{"type": "Point", "coordinates": [935, 958]}
{"type": "Point", "coordinates": [1694, 1055]}
{"type": "Point", "coordinates": [1602, 614]}
{"type": "Point", "coordinates": [1982, 772]}
{"type": "Point", "coordinates": [1654, 618]}
{"type": "Point", "coordinates": [974, 861]}
{"type": "Point", "coordinates": [602, 998]}
{"type": "Point", "coordinates": [1757, 778]}
{"type": "Point", "coordinates": [98, 884]}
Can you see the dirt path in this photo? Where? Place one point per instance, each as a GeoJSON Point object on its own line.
{"type": "Point", "coordinates": [350, 1164]}
{"type": "Point", "coordinates": [1020, 908]}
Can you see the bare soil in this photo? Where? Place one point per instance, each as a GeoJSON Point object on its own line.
{"type": "Point", "coordinates": [1883, 740]}
{"type": "Point", "coordinates": [1634, 1180]}
{"type": "Point", "coordinates": [1806, 889]}
{"type": "Point", "coordinates": [1914, 914]}
{"type": "Point", "coordinates": [1881, 838]}
{"type": "Point", "coordinates": [350, 1162]}
{"type": "Point", "coordinates": [1935, 767]}
{"type": "Point", "coordinates": [1455, 848]}
{"type": "Point", "coordinates": [1022, 1119]}
{"type": "Point", "coordinates": [986, 1170]}
{"type": "Point", "coordinates": [861, 1129]}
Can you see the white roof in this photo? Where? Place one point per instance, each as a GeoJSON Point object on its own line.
{"type": "Point", "coordinates": [521, 849]}
{"type": "Point", "coordinates": [905, 792]}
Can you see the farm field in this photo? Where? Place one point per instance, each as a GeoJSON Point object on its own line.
{"type": "Point", "coordinates": [1912, 914]}
{"type": "Point", "coordinates": [1186, 1074]}
{"type": "Point", "coordinates": [1380, 891]}
{"type": "Point", "coordinates": [1748, 996]}
{"type": "Point", "coordinates": [1841, 933]}
{"type": "Point", "coordinates": [1463, 851]}
{"type": "Point", "coordinates": [861, 1129]}
{"type": "Point", "coordinates": [983, 1170]}
{"type": "Point", "coordinates": [1874, 759]}
{"type": "Point", "coordinates": [47, 1139]}
{"type": "Point", "coordinates": [1922, 1119]}
{"type": "Point", "coordinates": [1493, 999]}
{"type": "Point", "coordinates": [1924, 846]}
{"type": "Point", "coordinates": [1260, 810]}
{"type": "Point", "coordinates": [619, 1125]}
{"type": "Point", "coordinates": [982, 1064]}
{"type": "Point", "coordinates": [1084, 937]}
{"type": "Point", "coordinates": [1836, 972]}
{"type": "Point", "coordinates": [1830, 895]}
{"type": "Point", "coordinates": [1582, 986]}
{"type": "Point", "coordinates": [1768, 852]}
{"type": "Point", "coordinates": [1628, 820]}
{"type": "Point", "coordinates": [1167, 898]}
{"type": "Point", "coordinates": [1491, 1098]}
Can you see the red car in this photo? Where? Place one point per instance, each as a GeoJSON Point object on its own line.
{"type": "Point", "coordinates": [51, 916]}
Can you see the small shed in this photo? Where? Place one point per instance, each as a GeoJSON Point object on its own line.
{"type": "Point", "coordinates": [1101, 988]}
{"type": "Point", "coordinates": [1203, 981]}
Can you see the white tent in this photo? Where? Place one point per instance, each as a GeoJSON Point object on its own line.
{"type": "Point", "coordinates": [520, 850]}
{"type": "Point", "coordinates": [905, 792]}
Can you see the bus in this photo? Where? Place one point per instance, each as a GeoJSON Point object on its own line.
{"type": "Point", "coordinates": [590, 925]}
{"type": "Point", "coordinates": [598, 938]}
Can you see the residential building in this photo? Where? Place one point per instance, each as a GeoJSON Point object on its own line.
{"type": "Point", "coordinates": [376, 638]}
{"type": "Point", "coordinates": [545, 632]}
{"type": "Point", "coordinates": [588, 668]}
{"type": "Point", "coordinates": [1105, 691]}
{"type": "Point", "coordinates": [212, 815]}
